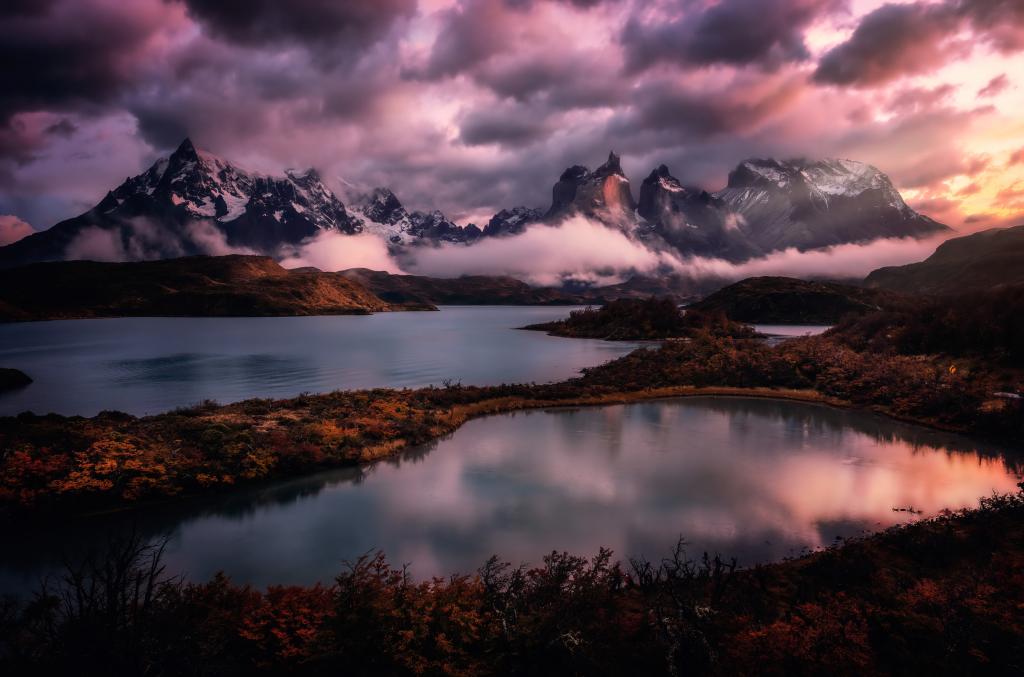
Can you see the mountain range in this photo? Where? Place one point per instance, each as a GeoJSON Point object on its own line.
{"type": "Point", "coordinates": [193, 202]}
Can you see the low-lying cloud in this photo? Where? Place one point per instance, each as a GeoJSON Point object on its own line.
{"type": "Point", "coordinates": [333, 251]}
{"type": "Point", "coordinates": [13, 229]}
{"type": "Point", "coordinates": [577, 249]}
{"type": "Point", "coordinates": [584, 251]}
{"type": "Point", "coordinates": [837, 262]}
{"type": "Point", "coordinates": [141, 239]}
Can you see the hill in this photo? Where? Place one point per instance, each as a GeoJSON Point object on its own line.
{"type": "Point", "coordinates": [190, 286]}
{"type": "Point", "coordinates": [786, 300]}
{"type": "Point", "coordinates": [986, 260]}
{"type": "Point", "coordinates": [467, 290]}
{"type": "Point", "coordinates": [503, 290]}
{"type": "Point", "coordinates": [642, 319]}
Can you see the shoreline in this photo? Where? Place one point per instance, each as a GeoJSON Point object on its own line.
{"type": "Point", "coordinates": [458, 416]}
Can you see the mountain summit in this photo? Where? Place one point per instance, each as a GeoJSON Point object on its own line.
{"type": "Point", "coordinates": [770, 205]}
{"type": "Point", "coordinates": [603, 194]}
{"type": "Point", "coordinates": [193, 202]}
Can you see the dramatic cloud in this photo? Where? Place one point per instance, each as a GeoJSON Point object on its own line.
{"type": "Point", "coordinates": [332, 251]}
{"type": "Point", "coordinates": [577, 249]}
{"type": "Point", "coordinates": [737, 32]}
{"type": "Point", "coordinates": [995, 86]}
{"type": "Point", "coordinates": [67, 53]}
{"type": "Point", "coordinates": [583, 251]}
{"type": "Point", "coordinates": [13, 229]}
{"type": "Point", "coordinates": [298, 21]}
{"type": "Point", "coordinates": [841, 261]}
{"type": "Point", "coordinates": [143, 240]}
{"type": "Point", "coordinates": [918, 37]}
{"type": "Point", "coordinates": [471, 106]}
{"type": "Point", "coordinates": [736, 106]}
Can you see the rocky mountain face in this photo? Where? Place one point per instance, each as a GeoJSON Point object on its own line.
{"type": "Point", "coordinates": [603, 194]}
{"type": "Point", "coordinates": [193, 202]}
{"type": "Point", "coordinates": [817, 204]}
{"type": "Point", "coordinates": [767, 206]}
{"type": "Point", "coordinates": [380, 212]}
{"type": "Point", "coordinates": [512, 221]}
{"type": "Point", "coordinates": [689, 220]}
{"type": "Point", "coordinates": [987, 260]}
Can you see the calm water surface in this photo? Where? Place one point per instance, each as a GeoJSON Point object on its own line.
{"type": "Point", "coordinates": [150, 365]}
{"type": "Point", "coordinates": [758, 479]}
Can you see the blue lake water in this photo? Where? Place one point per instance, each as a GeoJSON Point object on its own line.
{"type": "Point", "coordinates": [150, 365]}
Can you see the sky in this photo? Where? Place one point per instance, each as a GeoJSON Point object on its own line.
{"type": "Point", "coordinates": [470, 106]}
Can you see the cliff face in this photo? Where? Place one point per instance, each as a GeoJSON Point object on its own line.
{"type": "Point", "coordinates": [603, 194]}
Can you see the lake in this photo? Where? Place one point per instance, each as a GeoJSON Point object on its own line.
{"type": "Point", "coordinates": [752, 478]}
{"type": "Point", "coordinates": [150, 365]}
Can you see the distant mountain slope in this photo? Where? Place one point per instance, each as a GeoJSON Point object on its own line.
{"type": "Point", "coordinates": [767, 205]}
{"type": "Point", "coordinates": [603, 194]}
{"type": "Point", "coordinates": [503, 290]}
{"type": "Point", "coordinates": [193, 202]}
{"type": "Point", "coordinates": [808, 205]}
{"type": "Point", "coordinates": [986, 260]}
{"type": "Point", "coordinates": [189, 203]}
{"type": "Point", "coordinates": [468, 290]}
{"type": "Point", "coordinates": [785, 300]}
{"type": "Point", "coordinates": [690, 220]}
{"type": "Point", "coordinates": [380, 212]}
{"type": "Point", "coordinates": [191, 286]}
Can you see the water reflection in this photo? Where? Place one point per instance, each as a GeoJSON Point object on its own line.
{"type": "Point", "coordinates": [758, 479]}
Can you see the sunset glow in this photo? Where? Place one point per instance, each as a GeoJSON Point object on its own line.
{"type": "Point", "coordinates": [471, 106]}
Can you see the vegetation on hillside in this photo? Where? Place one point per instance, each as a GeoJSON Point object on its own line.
{"type": "Point", "coordinates": [983, 325]}
{"type": "Point", "coordinates": [190, 286]}
{"type": "Point", "coordinates": [643, 319]}
{"type": "Point", "coordinates": [786, 300]}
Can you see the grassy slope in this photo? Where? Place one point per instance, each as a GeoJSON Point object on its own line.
{"type": "Point", "coordinates": [199, 286]}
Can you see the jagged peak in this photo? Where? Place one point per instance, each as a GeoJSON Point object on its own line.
{"type": "Point", "coordinates": [186, 149]}
{"type": "Point", "coordinates": [574, 173]}
{"type": "Point", "coordinates": [658, 173]}
{"type": "Point", "coordinates": [310, 174]}
{"type": "Point", "coordinates": [612, 166]}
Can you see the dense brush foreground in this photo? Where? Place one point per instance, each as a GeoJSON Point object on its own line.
{"type": "Point", "coordinates": [941, 596]}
